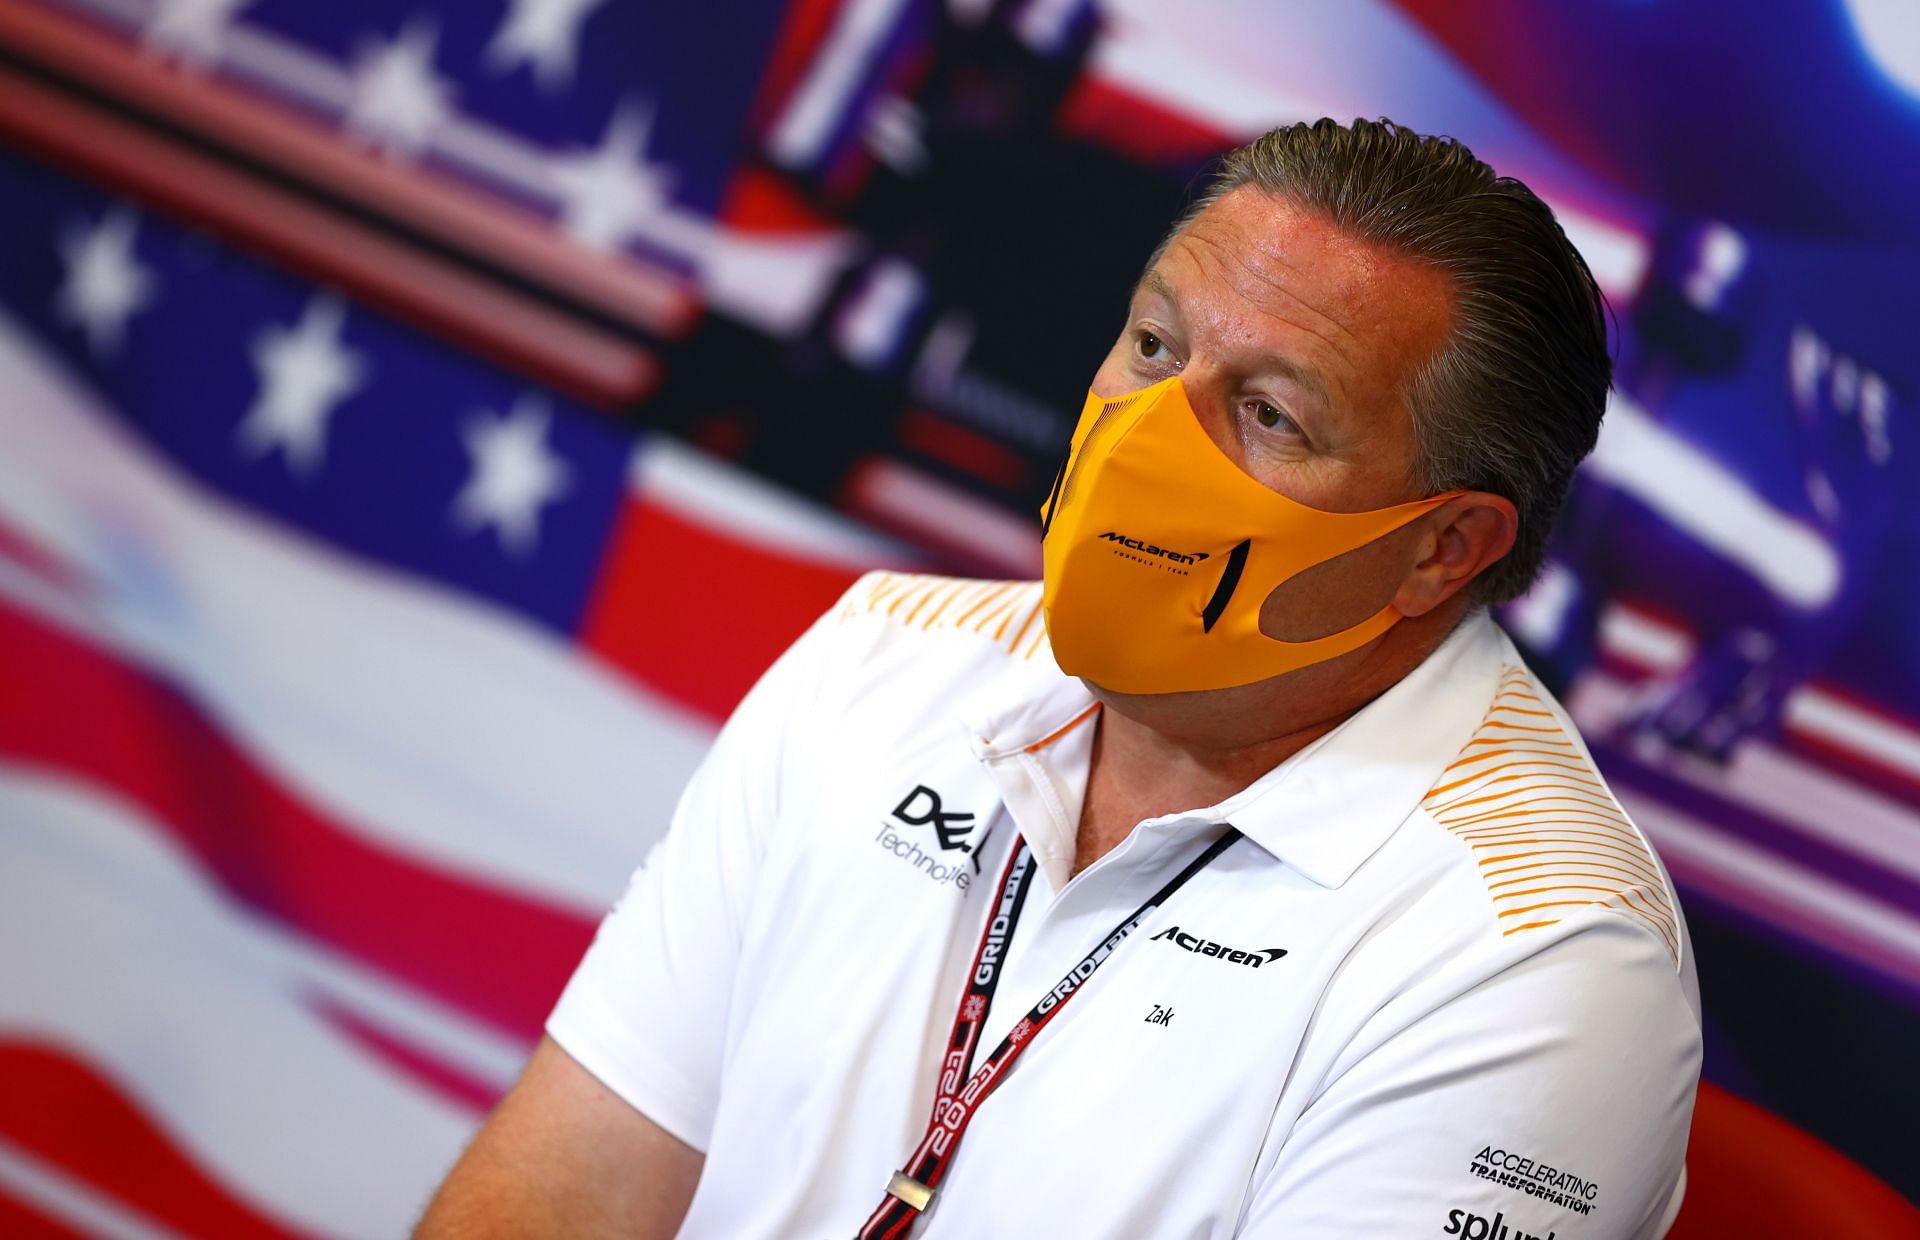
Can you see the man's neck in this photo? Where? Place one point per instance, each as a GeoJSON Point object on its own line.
{"type": "Point", "coordinates": [1169, 753]}
{"type": "Point", "coordinates": [1137, 774]}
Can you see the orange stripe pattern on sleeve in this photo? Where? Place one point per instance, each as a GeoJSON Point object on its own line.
{"type": "Point", "coordinates": [1004, 612]}
{"type": "Point", "coordinates": [1546, 834]}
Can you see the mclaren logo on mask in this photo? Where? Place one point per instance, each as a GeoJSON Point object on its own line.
{"type": "Point", "coordinates": [1207, 947]}
{"type": "Point", "coordinates": [1147, 548]}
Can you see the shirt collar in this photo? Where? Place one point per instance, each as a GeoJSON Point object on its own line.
{"type": "Point", "coordinates": [1324, 810]}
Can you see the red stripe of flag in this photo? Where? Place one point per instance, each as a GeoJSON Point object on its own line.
{"type": "Point", "coordinates": [69, 1115]}
{"type": "Point", "coordinates": [1099, 111]}
{"type": "Point", "coordinates": [500, 956]}
{"type": "Point", "coordinates": [697, 614]}
{"type": "Point", "coordinates": [801, 38]}
{"type": "Point", "coordinates": [420, 1064]}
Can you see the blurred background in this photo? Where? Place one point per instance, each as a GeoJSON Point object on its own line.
{"type": "Point", "coordinates": [419, 423]}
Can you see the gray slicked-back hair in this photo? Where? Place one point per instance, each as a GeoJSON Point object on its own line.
{"type": "Point", "coordinates": [1513, 401]}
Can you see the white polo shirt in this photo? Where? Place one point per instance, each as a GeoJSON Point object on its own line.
{"type": "Point", "coordinates": [1442, 987]}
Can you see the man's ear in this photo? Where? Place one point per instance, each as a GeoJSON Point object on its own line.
{"type": "Point", "coordinates": [1460, 540]}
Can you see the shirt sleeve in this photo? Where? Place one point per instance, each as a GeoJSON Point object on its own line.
{"type": "Point", "coordinates": [1552, 1099]}
{"type": "Point", "coordinates": [646, 1008]}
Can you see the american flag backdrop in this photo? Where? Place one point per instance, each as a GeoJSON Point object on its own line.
{"type": "Point", "coordinates": [335, 716]}
{"type": "Point", "coordinates": [420, 423]}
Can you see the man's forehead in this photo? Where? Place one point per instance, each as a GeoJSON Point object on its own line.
{"type": "Point", "coordinates": [1155, 284]}
{"type": "Point", "coordinates": [1273, 258]}
{"type": "Point", "coordinates": [1258, 242]}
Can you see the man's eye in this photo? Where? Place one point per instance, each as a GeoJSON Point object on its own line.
{"type": "Point", "coordinates": [1151, 346]}
{"type": "Point", "coordinates": [1269, 416]}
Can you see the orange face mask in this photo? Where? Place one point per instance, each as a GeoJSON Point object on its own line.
{"type": "Point", "coordinates": [1160, 551]}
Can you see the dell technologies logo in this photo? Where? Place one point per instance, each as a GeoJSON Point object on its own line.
{"type": "Point", "coordinates": [952, 832]}
{"type": "Point", "coordinates": [951, 829]}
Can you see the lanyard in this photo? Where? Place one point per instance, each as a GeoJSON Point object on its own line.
{"type": "Point", "coordinates": [912, 1188]}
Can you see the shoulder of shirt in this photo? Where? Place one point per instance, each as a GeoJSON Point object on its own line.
{"type": "Point", "coordinates": [1541, 831]}
{"type": "Point", "coordinates": [972, 618]}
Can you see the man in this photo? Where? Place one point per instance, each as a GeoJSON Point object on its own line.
{"type": "Point", "coordinates": [1241, 880]}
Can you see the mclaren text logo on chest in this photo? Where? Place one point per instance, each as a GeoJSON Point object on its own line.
{"type": "Point", "coordinates": [1207, 947]}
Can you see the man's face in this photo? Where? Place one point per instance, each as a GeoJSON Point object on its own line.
{"type": "Point", "coordinates": [1293, 343]}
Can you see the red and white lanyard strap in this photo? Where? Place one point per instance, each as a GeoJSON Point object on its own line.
{"type": "Point", "coordinates": [912, 1187]}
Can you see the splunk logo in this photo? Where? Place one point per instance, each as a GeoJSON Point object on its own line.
{"type": "Point", "coordinates": [1207, 947]}
{"type": "Point", "coordinates": [1147, 548]}
{"type": "Point", "coordinates": [1478, 1227]}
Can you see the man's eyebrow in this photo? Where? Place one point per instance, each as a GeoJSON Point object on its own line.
{"type": "Point", "coordinates": [1307, 377]}
{"type": "Point", "coordinates": [1155, 283]}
